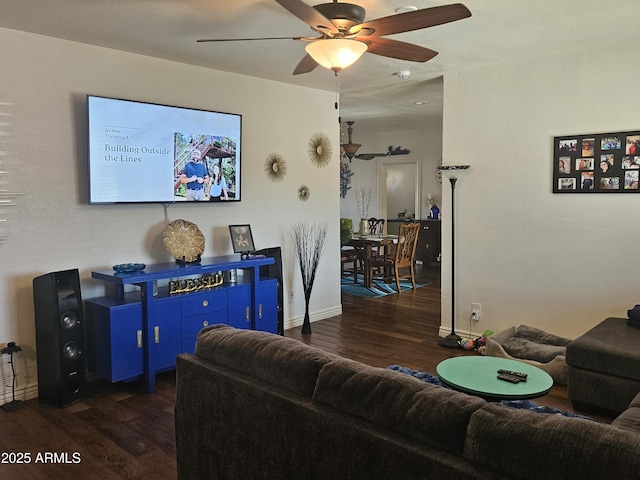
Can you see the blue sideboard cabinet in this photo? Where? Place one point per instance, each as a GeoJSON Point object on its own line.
{"type": "Point", "coordinates": [140, 332]}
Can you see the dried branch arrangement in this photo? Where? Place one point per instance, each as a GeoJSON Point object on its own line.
{"type": "Point", "coordinates": [363, 199]}
{"type": "Point", "coordinates": [309, 241]}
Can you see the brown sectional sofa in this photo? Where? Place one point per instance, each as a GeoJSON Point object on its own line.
{"type": "Point", "coordinates": [604, 367]}
{"type": "Point", "coordinates": [253, 405]}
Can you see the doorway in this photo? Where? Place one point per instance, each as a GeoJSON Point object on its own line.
{"type": "Point", "coordinates": [399, 186]}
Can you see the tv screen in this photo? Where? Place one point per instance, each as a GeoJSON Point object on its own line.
{"type": "Point", "coordinates": [148, 153]}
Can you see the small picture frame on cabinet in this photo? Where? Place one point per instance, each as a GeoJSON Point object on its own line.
{"type": "Point", "coordinates": [241, 239]}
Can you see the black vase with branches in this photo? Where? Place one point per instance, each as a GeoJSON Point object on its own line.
{"type": "Point", "coordinates": [309, 241]}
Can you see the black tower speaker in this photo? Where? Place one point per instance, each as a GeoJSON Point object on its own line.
{"type": "Point", "coordinates": [274, 271]}
{"type": "Point", "coordinates": [60, 338]}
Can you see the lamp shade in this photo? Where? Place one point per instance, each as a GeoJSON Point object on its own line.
{"type": "Point", "coordinates": [336, 53]}
{"type": "Point", "coordinates": [452, 171]}
{"type": "Point", "coordinates": [350, 149]}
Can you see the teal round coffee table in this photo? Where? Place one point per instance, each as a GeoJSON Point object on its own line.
{"type": "Point", "coordinates": [479, 376]}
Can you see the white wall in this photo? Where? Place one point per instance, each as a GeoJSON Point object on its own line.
{"type": "Point", "coordinates": [43, 83]}
{"type": "Point", "coordinates": [561, 263]}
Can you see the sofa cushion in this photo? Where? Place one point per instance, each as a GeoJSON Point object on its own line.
{"type": "Point", "coordinates": [514, 441]}
{"type": "Point", "coordinates": [611, 347]}
{"type": "Point", "coordinates": [432, 415]}
{"type": "Point", "coordinates": [281, 361]}
{"type": "Point", "coordinates": [630, 419]}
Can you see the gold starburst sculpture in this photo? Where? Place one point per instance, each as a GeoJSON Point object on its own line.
{"type": "Point", "coordinates": [320, 149]}
{"type": "Point", "coordinates": [304, 193]}
{"type": "Point", "coordinates": [275, 166]}
{"type": "Point", "coordinates": [184, 240]}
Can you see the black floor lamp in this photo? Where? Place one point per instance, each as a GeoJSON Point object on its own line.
{"type": "Point", "coordinates": [452, 171]}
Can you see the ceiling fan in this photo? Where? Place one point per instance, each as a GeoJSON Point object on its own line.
{"type": "Point", "coordinates": [345, 35]}
{"type": "Point", "coordinates": [351, 148]}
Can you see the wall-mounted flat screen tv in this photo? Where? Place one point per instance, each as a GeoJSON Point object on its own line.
{"type": "Point", "coordinates": [149, 153]}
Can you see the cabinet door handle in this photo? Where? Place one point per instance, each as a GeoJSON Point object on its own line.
{"type": "Point", "coordinates": [205, 324]}
{"type": "Point", "coordinates": [205, 303]}
{"type": "Point", "coordinates": [139, 338]}
{"type": "Point", "coordinates": [247, 314]}
{"type": "Point", "coordinates": [156, 334]}
{"type": "Point", "coordinates": [260, 311]}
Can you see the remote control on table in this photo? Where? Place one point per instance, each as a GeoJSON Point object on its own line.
{"type": "Point", "coordinates": [522, 376]}
{"type": "Point", "coordinates": [509, 378]}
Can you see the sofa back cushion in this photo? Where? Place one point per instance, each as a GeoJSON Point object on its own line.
{"type": "Point", "coordinates": [429, 414]}
{"type": "Point", "coordinates": [528, 445]}
{"type": "Point", "coordinates": [630, 419]}
{"type": "Point", "coordinates": [285, 362]}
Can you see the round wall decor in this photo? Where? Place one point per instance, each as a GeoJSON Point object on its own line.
{"type": "Point", "coordinates": [275, 167]}
{"type": "Point", "coordinates": [320, 149]}
{"type": "Point", "coordinates": [304, 193]}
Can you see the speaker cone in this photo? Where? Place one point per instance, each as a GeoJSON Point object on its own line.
{"type": "Point", "coordinates": [71, 350]}
{"type": "Point", "coordinates": [69, 320]}
{"type": "Point", "coordinates": [73, 385]}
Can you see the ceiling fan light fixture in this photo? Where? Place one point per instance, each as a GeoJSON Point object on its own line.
{"type": "Point", "coordinates": [406, 8]}
{"type": "Point", "coordinates": [350, 149]}
{"type": "Point", "coordinates": [336, 53]}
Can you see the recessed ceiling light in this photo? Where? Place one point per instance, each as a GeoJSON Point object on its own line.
{"type": "Point", "coordinates": [421, 102]}
{"type": "Point", "coordinates": [406, 8]}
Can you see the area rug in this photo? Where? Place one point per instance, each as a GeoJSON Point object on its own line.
{"type": "Point", "coordinates": [522, 404]}
{"type": "Point", "coordinates": [378, 289]}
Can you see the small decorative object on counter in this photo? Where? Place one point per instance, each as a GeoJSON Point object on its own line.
{"type": "Point", "coordinates": [434, 211]}
{"type": "Point", "coordinates": [129, 267]}
{"type": "Point", "coordinates": [184, 240]}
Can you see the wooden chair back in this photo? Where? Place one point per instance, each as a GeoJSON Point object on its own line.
{"type": "Point", "coordinates": [406, 247]}
{"type": "Point", "coordinates": [376, 226]}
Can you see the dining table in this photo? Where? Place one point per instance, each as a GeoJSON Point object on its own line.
{"type": "Point", "coordinates": [367, 244]}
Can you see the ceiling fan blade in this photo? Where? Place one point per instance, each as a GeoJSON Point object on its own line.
{"type": "Point", "coordinates": [416, 20]}
{"type": "Point", "coordinates": [396, 49]}
{"type": "Point", "coordinates": [309, 15]}
{"type": "Point", "coordinates": [306, 65]}
{"type": "Point", "coordinates": [204, 40]}
{"type": "Point", "coordinates": [370, 156]}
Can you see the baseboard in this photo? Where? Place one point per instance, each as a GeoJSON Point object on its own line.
{"type": "Point", "coordinates": [444, 331]}
{"type": "Point", "coordinates": [26, 393]}
{"type": "Point", "coordinates": [313, 317]}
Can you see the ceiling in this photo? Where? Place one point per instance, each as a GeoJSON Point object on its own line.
{"type": "Point", "coordinates": [371, 93]}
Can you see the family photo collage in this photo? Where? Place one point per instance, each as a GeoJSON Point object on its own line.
{"type": "Point", "coordinates": [605, 163]}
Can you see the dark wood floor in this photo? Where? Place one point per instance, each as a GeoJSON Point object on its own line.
{"type": "Point", "coordinates": [121, 432]}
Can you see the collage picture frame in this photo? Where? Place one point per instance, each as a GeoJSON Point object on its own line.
{"type": "Point", "coordinates": [597, 163]}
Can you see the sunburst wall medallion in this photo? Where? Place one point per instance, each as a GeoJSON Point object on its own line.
{"type": "Point", "coordinates": [275, 167]}
{"type": "Point", "coordinates": [320, 150]}
{"type": "Point", "coordinates": [304, 193]}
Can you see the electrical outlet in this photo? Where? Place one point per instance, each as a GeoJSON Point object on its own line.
{"type": "Point", "coordinates": [475, 311]}
{"type": "Point", "coordinates": [291, 297]}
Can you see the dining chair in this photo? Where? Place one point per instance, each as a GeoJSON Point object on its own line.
{"type": "Point", "coordinates": [404, 256]}
{"type": "Point", "coordinates": [376, 225]}
{"type": "Point", "coordinates": [348, 254]}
